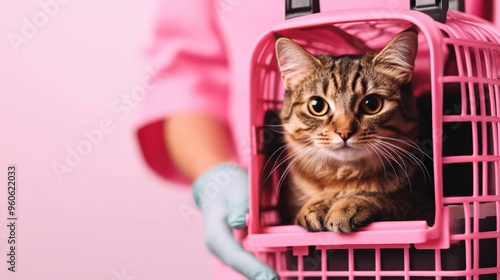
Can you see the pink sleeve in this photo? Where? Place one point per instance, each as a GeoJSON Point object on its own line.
{"type": "Point", "coordinates": [188, 54]}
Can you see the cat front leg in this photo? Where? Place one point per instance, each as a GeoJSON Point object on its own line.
{"type": "Point", "coordinates": [311, 215]}
{"type": "Point", "coordinates": [347, 214]}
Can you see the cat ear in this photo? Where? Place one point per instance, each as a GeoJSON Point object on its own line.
{"type": "Point", "coordinates": [398, 57]}
{"type": "Point", "coordinates": [295, 63]}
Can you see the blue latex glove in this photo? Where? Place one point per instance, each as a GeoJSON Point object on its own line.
{"type": "Point", "coordinates": [222, 195]}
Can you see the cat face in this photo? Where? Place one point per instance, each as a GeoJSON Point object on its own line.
{"type": "Point", "coordinates": [351, 107]}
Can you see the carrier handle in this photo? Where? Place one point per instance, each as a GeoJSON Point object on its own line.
{"type": "Point", "coordinates": [437, 9]}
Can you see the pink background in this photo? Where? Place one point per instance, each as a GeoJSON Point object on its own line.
{"type": "Point", "coordinates": [110, 218]}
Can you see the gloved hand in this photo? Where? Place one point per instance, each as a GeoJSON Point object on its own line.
{"type": "Point", "coordinates": [222, 195]}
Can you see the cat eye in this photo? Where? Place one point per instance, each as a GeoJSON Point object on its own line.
{"type": "Point", "coordinates": [371, 104]}
{"type": "Point", "coordinates": [318, 106]}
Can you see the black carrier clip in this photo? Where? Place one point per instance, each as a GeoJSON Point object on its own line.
{"type": "Point", "coordinates": [437, 9]}
{"type": "Point", "coordinates": [296, 8]}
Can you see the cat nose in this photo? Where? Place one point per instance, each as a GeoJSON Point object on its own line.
{"type": "Point", "coordinates": [344, 133]}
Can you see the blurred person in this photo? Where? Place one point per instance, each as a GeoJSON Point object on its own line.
{"type": "Point", "coordinates": [194, 126]}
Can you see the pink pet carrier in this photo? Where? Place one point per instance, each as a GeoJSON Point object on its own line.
{"type": "Point", "coordinates": [457, 81]}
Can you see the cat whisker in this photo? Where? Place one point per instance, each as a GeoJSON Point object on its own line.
{"type": "Point", "coordinates": [390, 158]}
{"type": "Point", "coordinates": [280, 131]}
{"type": "Point", "coordinates": [373, 147]}
{"type": "Point", "coordinates": [274, 125]}
{"type": "Point", "coordinates": [407, 155]}
{"type": "Point", "coordinates": [390, 148]}
{"type": "Point", "coordinates": [294, 161]}
{"type": "Point", "coordinates": [411, 158]}
{"type": "Point", "coordinates": [286, 159]}
{"type": "Point", "coordinates": [312, 160]}
{"type": "Point", "coordinates": [400, 151]}
{"type": "Point", "coordinates": [408, 142]}
{"type": "Point", "coordinates": [283, 149]}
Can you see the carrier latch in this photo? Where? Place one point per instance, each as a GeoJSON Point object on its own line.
{"type": "Point", "coordinates": [437, 9]}
{"type": "Point", "coordinates": [295, 8]}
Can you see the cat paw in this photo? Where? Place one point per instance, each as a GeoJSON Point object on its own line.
{"type": "Point", "coordinates": [349, 214]}
{"type": "Point", "coordinates": [312, 215]}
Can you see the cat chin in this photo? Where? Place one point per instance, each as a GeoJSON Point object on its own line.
{"type": "Point", "coordinates": [347, 154]}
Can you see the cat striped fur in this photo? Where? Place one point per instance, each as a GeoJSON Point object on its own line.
{"type": "Point", "coordinates": [349, 127]}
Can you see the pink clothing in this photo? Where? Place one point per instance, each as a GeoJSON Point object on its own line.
{"type": "Point", "coordinates": [203, 50]}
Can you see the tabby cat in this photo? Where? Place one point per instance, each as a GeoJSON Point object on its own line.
{"type": "Point", "coordinates": [349, 123]}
